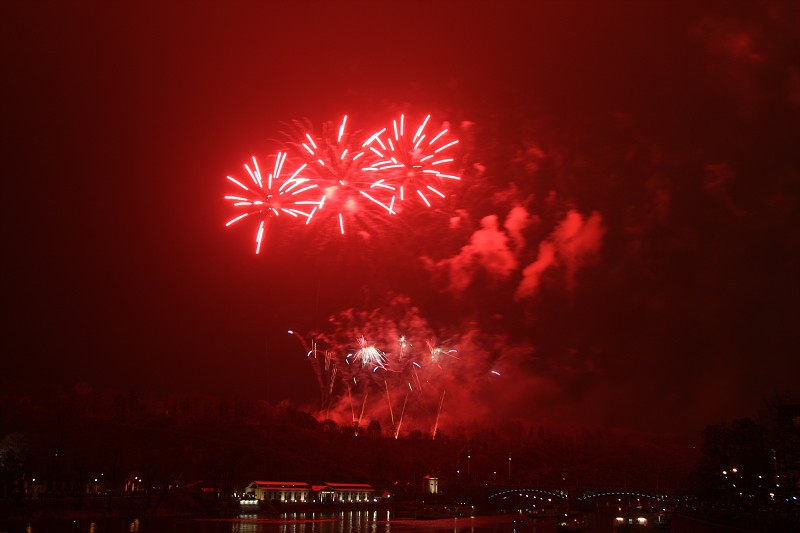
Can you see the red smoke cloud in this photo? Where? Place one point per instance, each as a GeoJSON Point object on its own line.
{"type": "Point", "coordinates": [487, 251]}
{"type": "Point", "coordinates": [572, 243]}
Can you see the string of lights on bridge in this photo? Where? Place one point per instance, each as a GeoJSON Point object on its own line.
{"type": "Point", "coordinates": [588, 495]}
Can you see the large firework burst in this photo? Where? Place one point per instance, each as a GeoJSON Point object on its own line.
{"type": "Point", "coordinates": [350, 182]}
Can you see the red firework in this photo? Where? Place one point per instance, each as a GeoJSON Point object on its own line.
{"type": "Point", "coordinates": [415, 165]}
{"type": "Point", "coordinates": [345, 183]}
{"type": "Point", "coordinates": [268, 198]}
{"type": "Point", "coordinates": [340, 168]}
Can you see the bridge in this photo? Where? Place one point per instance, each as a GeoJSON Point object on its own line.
{"type": "Point", "coordinates": [522, 497]}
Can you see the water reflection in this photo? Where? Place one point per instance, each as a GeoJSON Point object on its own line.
{"type": "Point", "coordinates": [359, 522]}
{"type": "Point", "coordinates": [372, 521]}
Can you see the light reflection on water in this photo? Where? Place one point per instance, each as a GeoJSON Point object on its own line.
{"type": "Point", "coordinates": [372, 521]}
{"type": "Point", "coordinates": [367, 522]}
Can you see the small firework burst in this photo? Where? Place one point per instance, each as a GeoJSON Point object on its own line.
{"type": "Point", "coordinates": [438, 353]}
{"type": "Point", "coordinates": [368, 355]}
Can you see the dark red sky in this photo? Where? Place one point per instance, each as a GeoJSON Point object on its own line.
{"type": "Point", "coordinates": [647, 150]}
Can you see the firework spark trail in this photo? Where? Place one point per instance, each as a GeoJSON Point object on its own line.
{"type": "Point", "coordinates": [415, 365]}
{"type": "Point", "coordinates": [325, 372]}
{"type": "Point", "coordinates": [438, 353]}
{"type": "Point", "coordinates": [438, 413]}
{"type": "Point", "coordinates": [301, 339]}
{"type": "Point", "coordinates": [423, 373]}
{"type": "Point", "coordinates": [266, 199]}
{"type": "Point", "coordinates": [333, 371]}
{"type": "Point", "coordinates": [389, 401]}
{"type": "Point", "coordinates": [350, 401]}
{"type": "Point", "coordinates": [338, 167]}
{"type": "Point", "coordinates": [414, 166]}
{"type": "Point", "coordinates": [402, 413]}
{"type": "Point", "coordinates": [328, 372]}
{"type": "Point", "coordinates": [436, 358]}
{"type": "Point", "coordinates": [403, 345]}
{"type": "Point", "coordinates": [361, 415]}
{"type": "Point", "coordinates": [407, 362]}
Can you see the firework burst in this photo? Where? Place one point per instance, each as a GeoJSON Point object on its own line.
{"type": "Point", "coordinates": [346, 183]}
{"type": "Point", "coordinates": [403, 386]}
{"type": "Point", "coordinates": [413, 166]}
{"type": "Point", "coordinates": [337, 165]}
{"type": "Point", "coordinates": [368, 355]}
{"type": "Point", "coordinates": [267, 198]}
{"type": "Point", "coordinates": [438, 353]}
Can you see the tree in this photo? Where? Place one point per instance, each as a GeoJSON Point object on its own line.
{"type": "Point", "coordinates": [374, 428]}
{"type": "Point", "coordinates": [736, 464]}
{"type": "Point", "coordinates": [13, 461]}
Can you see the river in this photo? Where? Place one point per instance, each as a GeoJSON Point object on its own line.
{"type": "Point", "coordinates": [341, 522]}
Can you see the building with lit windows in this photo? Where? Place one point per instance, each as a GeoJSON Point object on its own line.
{"type": "Point", "coordinates": [430, 485]}
{"type": "Point", "coordinates": [346, 492]}
{"type": "Point", "coordinates": [280, 491]}
{"type": "Point", "coordinates": [301, 492]}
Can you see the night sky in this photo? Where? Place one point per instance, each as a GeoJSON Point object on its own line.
{"type": "Point", "coordinates": [622, 248]}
